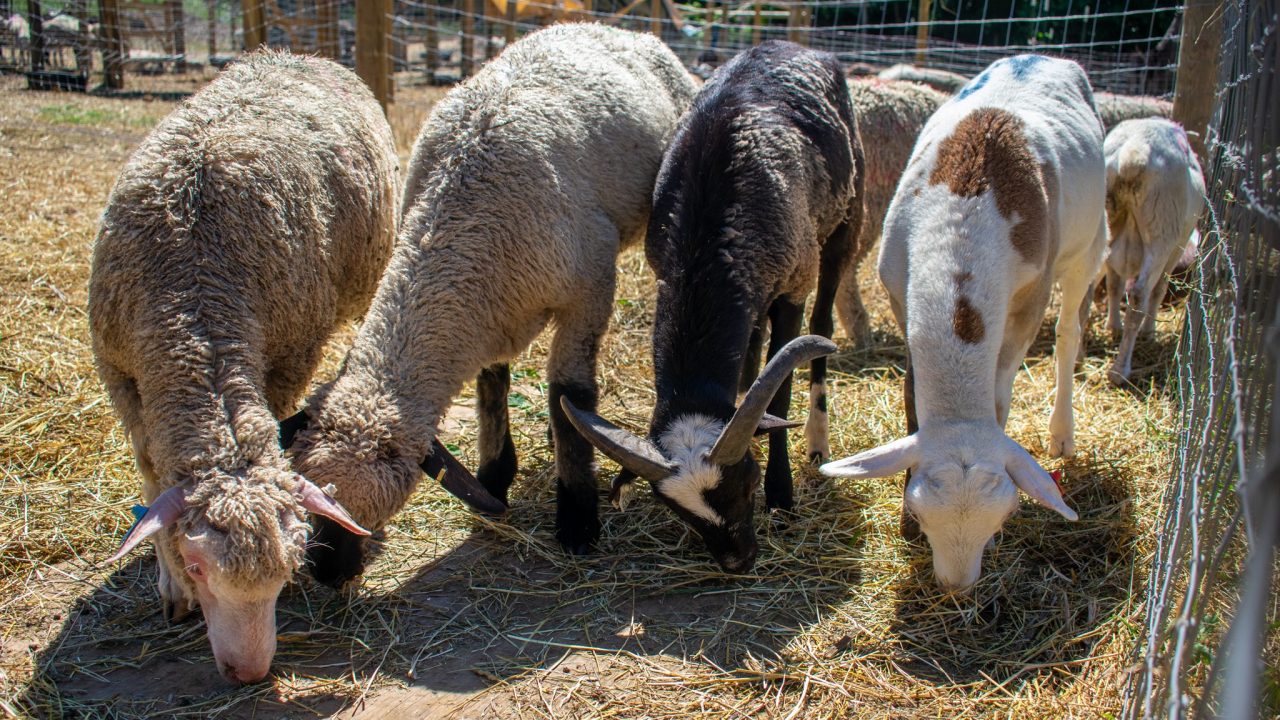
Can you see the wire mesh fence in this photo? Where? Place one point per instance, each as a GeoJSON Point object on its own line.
{"type": "Point", "coordinates": [1222, 499]}
{"type": "Point", "coordinates": [1226, 379]}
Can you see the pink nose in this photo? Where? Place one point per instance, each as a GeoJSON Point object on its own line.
{"type": "Point", "coordinates": [244, 673]}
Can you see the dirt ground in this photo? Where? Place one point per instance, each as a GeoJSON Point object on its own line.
{"type": "Point", "coordinates": [466, 617]}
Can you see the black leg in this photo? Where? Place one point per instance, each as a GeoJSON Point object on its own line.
{"type": "Point", "coordinates": [497, 451]}
{"type": "Point", "coordinates": [835, 255]}
{"type": "Point", "coordinates": [907, 523]}
{"type": "Point", "coordinates": [751, 362]}
{"type": "Point", "coordinates": [577, 515]}
{"type": "Point", "coordinates": [785, 318]}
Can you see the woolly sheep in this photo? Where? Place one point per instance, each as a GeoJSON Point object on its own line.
{"type": "Point", "coordinates": [1004, 196]}
{"type": "Point", "coordinates": [249, 223]}
{"type": "Point", "coordinates": [758, 199]}
{"type": "Point", "coordinates": [940, 80]}
{"type": "Point", "coordinates": [525, 183]}
{"type": "Point", "coordinates": [1114, 109]}
{"type": "Point", "coordinates": [890, 115]}
{"type": "Point", "coordinates": [1155, 194]}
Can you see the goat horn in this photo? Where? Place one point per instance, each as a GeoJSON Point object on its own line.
{"type": "Point", "coordinates": [459, 481]}
{"type": "Point", "coordinates": [736, 436]}
{"type": "Point", "coordinates": [625, 448]}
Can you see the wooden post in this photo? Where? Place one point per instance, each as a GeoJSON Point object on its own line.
{"type": "Point", "coordinates": [922, 30]}
{"type": "Point", "coordinates": [175, 17]}
{"type": "Point", "coordinates": [709, 24]}
{"type": "Point", "coordinates": [490, 42]}
{"type": "Point", "coordinates": [373, 59]}
{"type": "Point", "coordinates": [758, 22]}
{"type": "Point", "coordinates": [796, 24]}
{"type": "Point", "coordinates": [512, 30]}
{"type": "Point", "coordinates": [327, 28]}
{"type": "Point", "coordinates": [432, 43]}
{"type": "Point", "coordinates": [112, 44]}
{"type": "Point", "coordinates": [211, 8]}
{"type": "Point", "coordinates": [83, 52]}
{"type": "Point", "coordinates": [587, 9]}
{"type": "Point", "coordinates": [255, 24]}
{"type": "Point", "coordinates": [1196, 87]}
{"type": "Point", "coordinates": [655, 17]}
{"type": "Point", "coordinates": [468, 37]}
{"type": "Point", "coordinates": [233, 13]}
{"type": "Point", "coordinates": [35, 26]}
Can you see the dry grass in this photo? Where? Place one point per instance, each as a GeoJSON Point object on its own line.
{"type": "Point", "coordinates": [839, 619]}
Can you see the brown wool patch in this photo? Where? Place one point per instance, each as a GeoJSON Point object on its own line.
{"type": "Point", "coordinates": [967, 322]}
{"type": "Point", "coordinates": [989, 151]}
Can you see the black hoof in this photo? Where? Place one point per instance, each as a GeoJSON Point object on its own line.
{"type": "Point", "coordinates": [816, 458]}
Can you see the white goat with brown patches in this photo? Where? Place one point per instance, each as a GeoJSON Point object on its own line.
{"type": "Point", "coordinates": [1155, 194]}
{"type": "Point", "coordinates": [251, 222]}
{"type": "Point", "coordinates": [1003, 197]}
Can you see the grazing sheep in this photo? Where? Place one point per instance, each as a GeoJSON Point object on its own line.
{"type": "Point", "coordinates": [1155, 194]}
{"type": "Point", "coordinates": [252, 221]}
{"type": "Point", "coordinates": [525, 183]}
{"type": "Point", "coordinates": [940, 80]}
{"type": "Point", "coordinates": [1115, 109]}
{"type": "Point", "coordinates": [1003, 197]}
{"type": "Point", "coordinates": [758, 198]}
{"type": "Point", "coordinates": [890, 116]}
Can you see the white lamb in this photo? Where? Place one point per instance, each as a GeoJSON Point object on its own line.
{"type": "Point", "coordinates": [1155, 194]}
{"type": "Point", "coordinates": [1003, 197]}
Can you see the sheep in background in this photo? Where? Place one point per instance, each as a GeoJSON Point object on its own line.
{"type": "Point", "coordinates": [890, 115]}
{"type": "Point", "coordinates": [1114, 109]}
{"type": "Point", "coordinates": [940, 80]}
{"type": "Point", "coordinates": [1004, 197]}
{"type": "Point", "coordinates": [1155, 194]}
{"type": "Point", "coordinates": [758, 199]}
{"type": "Point", "coordinates": [525, 183]}
{"type": "Point", "coordinates": [252, 221]}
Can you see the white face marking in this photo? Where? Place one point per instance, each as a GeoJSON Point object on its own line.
{"type": "Point", "coordinates": [686, 442]}
{"type": "Point", "coordinates": [960, 511]}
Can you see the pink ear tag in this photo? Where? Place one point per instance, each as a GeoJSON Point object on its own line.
{"type": "Point", "coordinates": [1057, 479]}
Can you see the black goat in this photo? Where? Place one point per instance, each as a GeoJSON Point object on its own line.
{"type": "Point", "coordinates": [760, 190]}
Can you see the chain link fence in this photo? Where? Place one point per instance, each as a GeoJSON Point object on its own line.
{"type": "Point", "coordinates": [1222, 499]}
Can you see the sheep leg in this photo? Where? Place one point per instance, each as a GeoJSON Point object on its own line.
{"type": "Point", "coordinates": [571, 369]}
{"type": "Point", "coordinates": [816, 427]}
{"type": "Point", "coordinates": [908, 525]}
{"type": "Point", "coordinates": [1148, 331]}
{"type": "Point", "coordinates": [785, 319]}
{"type": "Point", "coordinates": [853, 314]}
{"type": "Point", "coordinates": [1075, 284]}
{"type": "Point", "coordinates": [1086, 307]}
{"type": "Point", "coordinates": [751, 361]}
{"type": "Point", "coordinates": [497, 451]}
{"type": "Point", "coordinates": [1115, 295]}
{"type": "Point", "coordinates": [1139, 308]}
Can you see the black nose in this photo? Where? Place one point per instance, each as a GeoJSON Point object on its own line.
{"type": "Point", "coordinates": [737, 564]}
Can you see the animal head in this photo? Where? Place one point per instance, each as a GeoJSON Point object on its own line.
{"type": "Point", "coordinates": [238, 538]}
{"type": "Point", "coordinates": [964, 484]}
{"type": "Point", "coordinates": [362, 456]}
{"type": "Point", "coordinates": [701, 467]}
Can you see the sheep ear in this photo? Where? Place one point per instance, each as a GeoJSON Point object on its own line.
{"type": "Point", "coordinates": [1034, 481]}
{"type": "Point", "coordinates": [883, 461]}
{"type": "Point", "coordinates": [164, 512]}
{"type": "Point", "coordinates": [319, 502]}
{"type": "Point", "coordinates": [458, 480]}
{"type": "Point", "coordinates": [623, 489]}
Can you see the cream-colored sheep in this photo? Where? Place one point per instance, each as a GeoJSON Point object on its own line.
{"type": "Point", "coordinates": [251, 222]}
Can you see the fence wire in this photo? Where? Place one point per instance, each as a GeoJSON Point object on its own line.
{"type": "Point", "coordinates": [1224, 496]}
{"type": "Point", "coordinates": [1222, 500]}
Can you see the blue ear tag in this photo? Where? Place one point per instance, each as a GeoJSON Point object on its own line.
{"type": "Point", "coordinates": [139, 512]}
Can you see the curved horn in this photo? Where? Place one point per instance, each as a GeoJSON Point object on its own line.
{"type": "Point", "coordinates": [631, 452]}
{"type": "Point", "coordinates": [736, 436]}
{"type": "Point", "coordinates": [459, 481]}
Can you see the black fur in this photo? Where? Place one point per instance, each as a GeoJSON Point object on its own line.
{"type": "Point", "coordinates": [497, 471]}
{"type": "Point", "coordinates": [577, 512]}
{"type": "Point", "coordinates": [334, 554]}
{"type": "Point", "coordinates": [717, 288]}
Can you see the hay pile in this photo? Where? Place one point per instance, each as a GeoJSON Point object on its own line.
{"type": "Point", "coordinates": [839, 619]}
